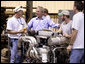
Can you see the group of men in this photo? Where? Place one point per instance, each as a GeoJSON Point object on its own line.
{"type": "Point", "coordinates": [73, 29]}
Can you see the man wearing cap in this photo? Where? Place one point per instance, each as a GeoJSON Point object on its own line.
{"type": "Point", "coordinates": [65, 27]}
{"type": "Point", "coordinates": [15, 27]}
{"type": "Point", "coordinates": [41, 22]}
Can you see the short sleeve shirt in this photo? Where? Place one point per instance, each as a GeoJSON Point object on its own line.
{"type": "Point", "coordinates": [15, 25]}
{"type": "Point", "coordinates": [78, 24]}
{"type": "Point", "coordinates": [66, 28]}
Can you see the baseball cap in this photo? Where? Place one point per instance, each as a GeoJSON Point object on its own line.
{"type": "Point", "coordinates": [17, 9]}
{"type": "Point", "coordinates": [64, 12]}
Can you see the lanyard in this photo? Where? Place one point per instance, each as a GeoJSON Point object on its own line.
{"type": "Point", "coordinates": [20, 22]}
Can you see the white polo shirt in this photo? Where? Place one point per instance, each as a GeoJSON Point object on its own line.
{"type": "Point", "coordinates": [78, 24]}
{"type": "Point", "coordinates": [66, 28]}
{"type": "Point", "coordinates": [15, 25]}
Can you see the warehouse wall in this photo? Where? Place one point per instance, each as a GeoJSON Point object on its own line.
{"type": "Point", "coordinates": [13, 3]}
{"type": "Point", "coordinates": [52, 6]}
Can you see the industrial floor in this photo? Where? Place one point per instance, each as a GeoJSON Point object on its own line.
{"type": "Point", "coordinates": [4, 60]}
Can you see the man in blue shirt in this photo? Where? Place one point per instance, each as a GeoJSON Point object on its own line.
{"type": "Point", "coordinates": [41, 22]}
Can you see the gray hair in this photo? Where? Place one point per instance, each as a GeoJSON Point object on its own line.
{"type": "Point", "coordinates": [41, 9]}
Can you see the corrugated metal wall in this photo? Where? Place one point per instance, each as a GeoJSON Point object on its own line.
{"type": "Point", "coordinates": [12, 3]}
{"type": "Point", "coordinates": [52, 6]}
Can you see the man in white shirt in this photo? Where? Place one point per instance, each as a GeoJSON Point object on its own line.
{"type": "Point", "coordinates": [46, 13]}
{"type": "Point", "coordinates": [15, 27]}
{"type": "Point", "coordinates": [76, 45]}
{"type": "Point", "coordinates": [66, 26]}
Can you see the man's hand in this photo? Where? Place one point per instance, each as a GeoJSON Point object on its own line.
{"type": "Point", "coordinates": [65, 35]}
{"type": "Point", "coordinates": [69, 48]}
{"type": "Point", "coordinates": [16, 32]}
{"type": "Point", "coordinates": [21, 31]}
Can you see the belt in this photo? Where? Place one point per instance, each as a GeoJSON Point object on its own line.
{"type": "Point", "coordinates": [14, 38]}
